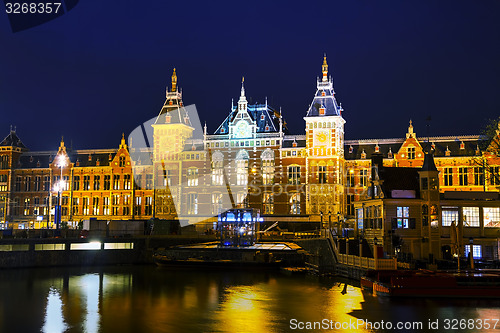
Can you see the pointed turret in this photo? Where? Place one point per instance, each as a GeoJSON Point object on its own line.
{"type": "Point", "coordinates": [324, 102]}
{"type": "Point", "coordinates": [242, 102]}
{"type": "Point", "coordinates": [325, 69]}
{"type": "Point", "coordinates": [174, 82]}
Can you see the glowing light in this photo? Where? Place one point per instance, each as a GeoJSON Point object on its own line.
{"type": "Point", "coordinates": [54, 319]}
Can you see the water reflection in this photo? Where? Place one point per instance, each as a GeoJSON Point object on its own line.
{"type": "Point", "coordinates": [54, 321]}
{"type": "Point", "coordinates": [148, 299]}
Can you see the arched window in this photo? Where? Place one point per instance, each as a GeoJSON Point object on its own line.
{"type": "Point", "coordinates": [295, 203]}
{"type": "Point", "coordinates": [242, 168]}
{"type": "Point", "coordinates": [267, 167]}
{"type": "Point", "coordinates": [217, 168]}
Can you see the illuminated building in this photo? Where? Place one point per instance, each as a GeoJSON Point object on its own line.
{"type": "Point", "coordinates": [310, 177]}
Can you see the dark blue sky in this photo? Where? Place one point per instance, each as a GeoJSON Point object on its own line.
{"type": "Point", "coordinates": [102, 68]}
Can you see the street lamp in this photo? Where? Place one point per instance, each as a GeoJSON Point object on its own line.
{"type": "Point", "coordinates": [61, 162]}
{"type": "Point", "coordinates": [321, 215]}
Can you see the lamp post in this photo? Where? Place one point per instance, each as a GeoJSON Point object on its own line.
{"type": "Point", "coordinates": [321, 216]}
{"type": "Point", "coordinates": [61, 163]}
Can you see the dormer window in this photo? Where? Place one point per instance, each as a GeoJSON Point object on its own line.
{"type": "Point", "coordinates": [363, 154]}
{"type": "Point", "coordinates": [267, 128]}
{"type": "Point", "coordinates": [98, 162]}
{"type": "Point", "coordinates": [377, 148]}
{"type": "Point", "coordinates": [223, 130]}
{"type": "Point", "coordinates": [262, 117]}
{"type": "Point", "coordinates": [351, 149]}
{"type": "Point", "coordinates": [322, 111]}
{"type": "Point", "coordinates": [38, 164]}
{"type": "Point", "coordinates": [170, 102]}
{"type": "Point", "coordinates": [294, 144]}
{"type": "Point", "coordinates": [31, 159]}
{"type": "Point", "coordinates": [186, 120]}
{"type": "Point", "coordinates": [168, 119]}
{"type": "Point", "coordinates": [78, 162]}
{"type": "Point", "coordinates": [433, 146]}
{"type": "Point", "coordinates": [389, 154]}
{"type": "Point", "coordinates": [90, 158]}
{"type": "Point", "coordinates": [323, 94]}
{"type": "Point", "coordinates": [447, 152]}
{"type": "Point", "coordinates": [462, 145]}
{"type": "Point", "coordinates": [110, 157]}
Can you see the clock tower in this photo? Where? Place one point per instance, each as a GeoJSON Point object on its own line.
{"type": "Point", "coordinates": [325, 151]}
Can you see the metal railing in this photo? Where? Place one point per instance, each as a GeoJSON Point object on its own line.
{"type": "Point", "coordinates": [367, 263]}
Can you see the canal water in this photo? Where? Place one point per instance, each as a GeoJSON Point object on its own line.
{"type": "Point", "coordinates": [148, 299]}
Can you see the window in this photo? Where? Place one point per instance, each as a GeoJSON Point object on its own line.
{"type": "Point", "coordinates": [471, 216]}
{"type": "Point", "coordinates": [86, 202]}
{"type": "Point", "coordinates": [494, 176]}
{"type": "Point", "coordinates": [105, 205]}
{"type": "Point", "coordinates": [295, 203]}
{"type": "Point", "coordinates": [242, 168]}
{"type": "Point", "coordinates": [167, 177]}
{"type": "Point", "coordinates": [216, 203]}
{"type": "Point", "coordinates": [448, 176]}
{"type": "Point", "coordinates": [149, 183]}
{"type": "Point", "coordinates": [126, 182]}
{"type": "Point", "coordinates": [403, 215]}
{"type": "Point", "coordinates": [26, 206]}
{"type": "Point", "coordinates": [137, 205]}
{"type": "Point", "coordinates": [138, 182]}
{"type": "Point", "coordinates": [126, 203]}
{"type": "Point", "coordinates": [97, 183]}
{"type": "Point", "coordinates": [95, 205]}
{"type": "Point", "coordinates": [363, 177]}
{"type": "Point", "coordinates": [18, 184]}
{"type": "Point", "coordinates": [122, 161]}
{"type": "Point", "coordinates": [46, 183]}
{"type": "Point", "coordinates": [491, 217]}
{"type": "Point", "coordinates": [76, 183]}
{"type": "Point", "coordinates": [359, 216]}
{"type": "Point", "coordinates": [192, 207]}
{"type": "Point", "coordinates": [350, 178]}
{"type": "Point", "coordinates": [116, 182]}
{"type": "Point", "coordinates": [38, 183]}
{"type": "Point", "coordinates": [448, 215]}
{"type": "Point", "coordinates": [192, 177]}
{"type": "Point", "coordinates": [217, 168]}
{"type": "Point", "coordinates": [322, 174]}
{"type": "Point", "coordinates": [268, 203]}
{"type": "Point", "coordinates": [267, 166]}
{"type": "Point", "coordinates": [148, 207]}
{"type": "Point", "coordinates": [86, 183]}
{"type": "Point", "coordinates": [478, 176]}
{"type": "Point", "coordinates": [476, 251]}
{"type": "Point", "coordinates": [411, 153]}
{"type": "Point", "coordinates": [4, 162]}
{"type": "Point", "coordinates": [27, 184]}
{"type": "Point", "coordinates": [107, 182]}
{"type": "Point", "coordinates": [463, 177]}
{"type": "Point", "coordinates": [76, 205]}
{"type": "Point", "coordinates": [294, 175]}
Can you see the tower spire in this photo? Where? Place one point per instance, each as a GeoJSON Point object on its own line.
{"type": "Point", "coordinates": [242, 86]}
{"type": "Point", "coordinates": [324, 69]}
{"type": "Point", "coordinates": [174, 81]}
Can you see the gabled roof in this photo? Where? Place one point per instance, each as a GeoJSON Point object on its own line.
{"type": "Point", "coordinates": [12, 140]}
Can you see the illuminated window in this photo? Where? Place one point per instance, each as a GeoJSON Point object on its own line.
{"type": "Point", "coordinates": [122, 161]}
{"type": "Point", "coordinates": [192, 207]}
{"type": "Point", "coordinates": [86, 204]}
{"type": "Point", "coordinates": [97, 182]}
{"type": "Point", "coordinates": [268, 203]}
{"type": "Point", "coordinates": [294, 175]}
{"type": "Point", "coordinates": [471, 216]}
{"type": "Point", "coordinates": [148, 207]}
{"type": "Point", "coordinates": [476, 251]}
{"type": "Point", "coordinates": [105, 205]}
{"type": "Point", "coordinates": [126, 182]}
{"type": "Point", "coordinates": [86, 183]}
{"type": "Point", "coordinates": [478, 176]}
{"type": "Point", "coordinates": [116, 182]}
{"type": "Point", "coordinates": [449, 214]}
{"type": "Point", "coordinates": [26, 206]}
{"type": "Point", "coordinates": [363, 177]}
{"type": "Point", "coordinates": [137, 205]}
{"type": "Point", "coordinates": [217, 168]}
{"type": "Point", "coordinates": [494, 176]}
{"type": "Point", "coordinates": [267, 159]}
{"type": "Point", "coordinates": [242, 168]}
{"type": "Point", "coordinates": [491, 217]}
{"type": "Point", "coordinates": [76, 205]}
{"type": "Point", "coordinates": [149, 182]}
{"type": "Point", "coordinates": [295, 203]}
{"type": "Point", "coordinates": [403, 215]}
{"type": "Point", "coordinates": [95, 206]}
{"type": "Point", "coordinates": [38, 181]}
{"type": "Point", "coordinates": [192, 177]}
{"type": "Point", "coordinates": [216, 203]}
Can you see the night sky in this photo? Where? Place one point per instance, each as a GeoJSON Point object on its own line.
{"type": "Point", "coordinates": [102, 68]}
